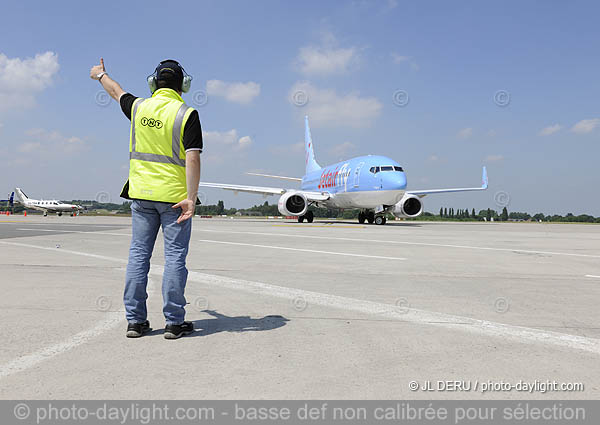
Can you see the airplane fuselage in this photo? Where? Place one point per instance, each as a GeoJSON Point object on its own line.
{"type": "Point", "coordinates": [361, 182]}
{"type": "Point", "coordinates": [51, 206]}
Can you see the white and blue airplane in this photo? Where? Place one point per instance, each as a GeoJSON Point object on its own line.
{"type": "Point", "coordinates": [376, 185]}
{"type": "Point", "coordinates": [46, 206]}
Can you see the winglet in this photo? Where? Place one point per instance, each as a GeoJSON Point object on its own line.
{"type": "Point", "coordinates": [484, 178]}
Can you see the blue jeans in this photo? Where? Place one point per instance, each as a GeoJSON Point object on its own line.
{"type": "Point", "coordinates": [147, 217]}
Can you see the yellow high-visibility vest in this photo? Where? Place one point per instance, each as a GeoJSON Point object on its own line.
{"type": "Point", "coordinates": [156, 152]}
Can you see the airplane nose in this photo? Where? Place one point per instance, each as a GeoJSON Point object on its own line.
{"type": "Point", "coordinates": [395, 181]}
{"type": "Point", "coordinates": [402, 181]}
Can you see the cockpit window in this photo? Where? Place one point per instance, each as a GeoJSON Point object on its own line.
{"type": "Point", "coordinates": [387, 168]}
{"type": "Point", "coordinates": [396, 168]}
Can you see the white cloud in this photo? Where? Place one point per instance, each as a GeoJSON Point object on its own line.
{"type": "Point", "coordinates": [327, 58]}
{"type": "Point", "coordinates": [551, 129]}
{"type": "Point", "coordinates": [326, 108]}
{"type": "Point", "coordinates": [237, 92]}
{"type": "Point", "coordinates": [22, 79]}
{"type": "Point", "coordinates": [42, 141]}
{"type": "Point", "coordinates": [491, 133]}
{"type": "Point", "coordinates": [226, 139]}
{"type": "Point", "coordinates": [494, 158]}
{"type": "Point", "coordinates": [465, 133]}
{"type": "Point", "coordinates": [399, 59]}
{"type": "Point", "coordinates": [244, 142]}
{"type": "Point", "coordinates": [585, 126]}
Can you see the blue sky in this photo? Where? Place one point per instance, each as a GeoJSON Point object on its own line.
{"type": "Point", "coordinates": [512, 85]}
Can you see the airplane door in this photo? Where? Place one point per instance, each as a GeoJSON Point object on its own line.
{"type": "Point", "coordinates": [357, 174]}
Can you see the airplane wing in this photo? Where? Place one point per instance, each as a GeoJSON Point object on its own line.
{"type": "Point", "coordinates": [484, 186]}
{"type": "Point", "coordinates": [296, 179]}
{"type": "Point", "coordinates": [310, 195]}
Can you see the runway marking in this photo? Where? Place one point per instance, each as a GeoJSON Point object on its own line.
{"type": "Point", "coordinates": [28, 361]}
{"type": "Point", "coordinates": [421, 317]}
{"type": "Point", "coordinates": [25, 223]}
{"type": "Point", "coordinates": [382, 241]}
{"type": "Point", "coordinates": [77, 231]}
{"type": "Point", "coordinates": [301, 250]}
{"type": "Point", "coordinates": [591, 275]}
{"type": "Point", "coordinates": [349, 226]}
{"type": "Point", "coordinates": [241, 244]}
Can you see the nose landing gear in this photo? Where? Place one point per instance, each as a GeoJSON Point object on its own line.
{"type": "Point", "coordinates": [380, 220]}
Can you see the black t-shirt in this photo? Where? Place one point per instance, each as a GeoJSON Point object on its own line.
{"type": "Point", "coordinates": [192, 132]}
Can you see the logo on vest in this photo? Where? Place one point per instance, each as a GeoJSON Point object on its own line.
{"type": "Point", "coordinates": [151, 122]}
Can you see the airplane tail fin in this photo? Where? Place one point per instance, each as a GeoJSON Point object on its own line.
{"type": "Point", "coordinates": [11, 200]}
{"type": "Point", "coordinates": [311, 164]}
{"type": "Point", "coordinates": [20, 195]}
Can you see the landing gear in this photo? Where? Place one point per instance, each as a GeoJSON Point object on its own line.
{"type": "Point", "coordinates": [45, 213]}
{"type": "Point", "coordinates": [371, 217]}
{"type": "Point", "coordinates": [380, 220]}
{"type": "Point", "coordinates": [309, 217]}
{"type": "Point", "coordinates": [368, 216]}
{"type": "Point", "coordinates": [361, 217]}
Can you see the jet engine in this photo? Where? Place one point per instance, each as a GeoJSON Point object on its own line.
{"type": "Point", "coordinates": [408, 207]}
{"type": "Point", "coordinates": [293, 203]}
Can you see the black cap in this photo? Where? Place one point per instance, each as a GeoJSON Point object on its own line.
{"type": "Point", "coordinates": [170, 70]}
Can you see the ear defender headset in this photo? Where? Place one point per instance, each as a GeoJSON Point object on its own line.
{"type": "Point", "coordinates": [153, 78]}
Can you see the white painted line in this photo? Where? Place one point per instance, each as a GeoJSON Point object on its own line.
{"type": "Point", "coordinates": [591, 275]}
{"type": "Point", "coordinates": [421, 317]}
{"type": "Point", "coordinates": [59, 250]}
{"type": "Point", "coordinates": [241, 244]}
{"type": "Point", "coordinates": [30, 360]}
{"type": "Point", "coordinates": [26, 223]}
{"type": "Point", "coordinates": [301, 250]}
{"type": "Point", "coordinates": [382, 241]}
{"type": "Point", "coordinates": [77, 231]}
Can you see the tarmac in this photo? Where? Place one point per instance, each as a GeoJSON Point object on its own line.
{"type": "Point", "coordinates": [328, 310]}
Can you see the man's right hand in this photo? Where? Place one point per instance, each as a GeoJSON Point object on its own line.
{"type": "Point", "coordinates": [187, 210]}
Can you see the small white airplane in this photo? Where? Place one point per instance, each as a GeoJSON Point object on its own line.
{"type": "Point", "coordinates": [53, 206]}
{"type": "Point", "coordinates": [375, 185]}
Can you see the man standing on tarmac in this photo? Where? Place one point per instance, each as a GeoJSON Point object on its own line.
{"type": "Point", "coordinates": [164, 172]}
